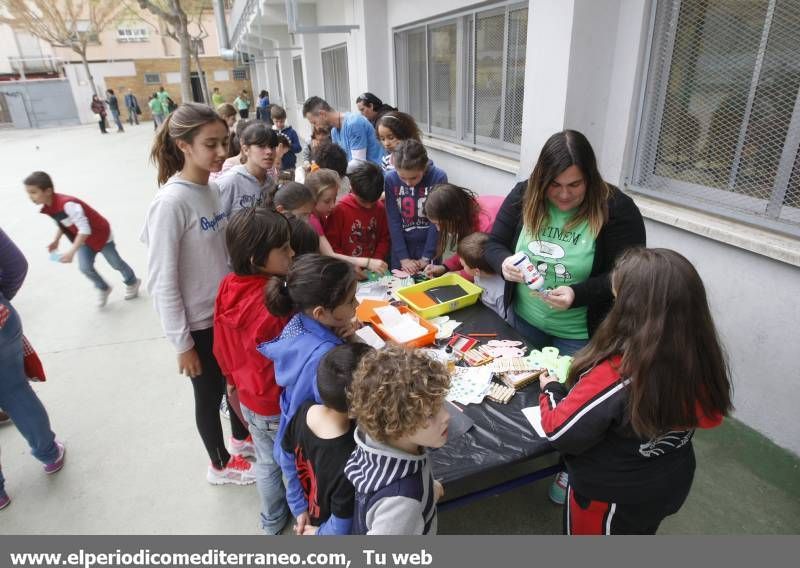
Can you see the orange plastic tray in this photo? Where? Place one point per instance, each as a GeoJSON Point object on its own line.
{"type": "Point", "coordinates": [426, 339]}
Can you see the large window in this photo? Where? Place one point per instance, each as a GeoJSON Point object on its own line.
{"type": "Point", "coordinates": [336, 78]}
{"type": "Point", "coordinates": [299, 85]}
{"type": "Point", "coordinates": [463, 77]}
{"type": "Point", "coordinates": [720, 123]}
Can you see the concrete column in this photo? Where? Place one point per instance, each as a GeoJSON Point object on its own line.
{"type": "Point", "coordinates": [371, 51]}
{"type": "Point", "coordinates": [546, 76]}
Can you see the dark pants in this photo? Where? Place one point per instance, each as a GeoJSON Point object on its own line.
{"type": "Point", "coordinates": [103, 123]}
{"type": "Point", "coordinates": [133, 118]}
{"type": "Point", "coordinates": [582, 516]}
{"type": "Point", "coordinates": [244, 112]}
{"type": "Point", "coordinates": [209, 388]}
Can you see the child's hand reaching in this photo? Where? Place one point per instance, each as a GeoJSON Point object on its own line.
{"type": "Point", "coordinates": [52, 246]}
{"type": "Point", "coordinates": [302, 521]}
{"type": "Point", "coordinates": [545, 379]}
{"type": "Point", "coordinates": [409, 266]}
{"type": "Point", "coordinates": [310, 530]}
{"type": "Point", "coordinates": [66, 258]}
{"type": "Point", "coordinates": [434, 270]}
{"type": "Point", "coordinates": [348, 329]}
{"type": "Point", "coordinates": [377, 265]}
{"type": "Point", "coordinates": [438, 490]}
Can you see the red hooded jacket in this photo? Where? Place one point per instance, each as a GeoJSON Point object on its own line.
{"type": "Point", "coordinates": [241, 322]}
{"type": "Point", "coordinates": [357, 231]}
{"type": "Point", "coordinates": [100, 227]}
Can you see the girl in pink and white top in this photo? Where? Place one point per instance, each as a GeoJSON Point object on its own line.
{"type": "Point", "coordinates": [457, 212]}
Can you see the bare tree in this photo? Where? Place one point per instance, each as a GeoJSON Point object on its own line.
{"type": "Point", "coordinates": [73, 24]}
{"type": "Point", "coordinates": [179, 17]}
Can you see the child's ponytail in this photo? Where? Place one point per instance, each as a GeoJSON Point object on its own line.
{"type": "Point", "coordinates": [182, 124]}
{"type": "Point", "coordinates": [314, 280]}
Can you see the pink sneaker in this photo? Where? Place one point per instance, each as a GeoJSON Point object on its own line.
{"type": "Point", "coordinates": [54, 466]}
{"type": "Point", "coordinates": [238, 471]}
{"type": "Point", "coordinates": [5, 500]}
{"type": "Point", "coordinates": [244, 448]}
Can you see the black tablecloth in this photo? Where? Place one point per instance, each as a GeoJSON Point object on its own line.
{"type": "Point", "coordinates": [502, 437]}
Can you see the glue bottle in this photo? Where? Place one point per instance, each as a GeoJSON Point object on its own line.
{"type": "Point", "coordinates": [530, 274]}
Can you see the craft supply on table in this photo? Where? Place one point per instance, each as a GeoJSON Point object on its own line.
{"type": "Point", "coordinates": [445, 326]}
{"type": "Point", "coordinates": [498, 348]}
{"type": "Point", "coordinates": [520, 380]}
{"type": "Point", "coordinates": [534, 416]}
{"type": "Point", "coordinates": [459, 423]}
{"type": "Point", "coordinates": [548, 358]}
{"type": "Point", "coordinates": [500, 393]}
{"type": "Point", "coordinates": [367, 335]}
{"type": "Point", "coordinates": [401, 325]}
{"type": "Point", "coordinates": [530, 274]}
{"type": "Point", "coordinates": [442, 291]}
{"type": "Point", "coordinates": [468, 385]}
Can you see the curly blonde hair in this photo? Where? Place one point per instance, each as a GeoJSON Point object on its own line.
{"type": "Point", "coordinates": [395, 391]}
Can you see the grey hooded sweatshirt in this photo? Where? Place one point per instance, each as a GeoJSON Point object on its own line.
{"type": "Point", "coordinates": [238, 189]}
{"type": "Point", "coordinates": [394, 489]}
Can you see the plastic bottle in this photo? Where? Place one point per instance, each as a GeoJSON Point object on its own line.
{"type": "Point", "coordinates": [530, 274]}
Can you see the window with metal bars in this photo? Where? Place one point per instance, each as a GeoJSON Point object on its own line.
{"type": "Point", "coordinates": [336, 77]}
{"type": "Point", "coordinates": [299, 84]}
{"type": "Point", "coordinates": [720, 116]}
{"type": "Point", "coordinates": [463, 77]}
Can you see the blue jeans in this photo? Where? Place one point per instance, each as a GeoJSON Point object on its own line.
{"type": "Point", "coordinates": [269, 477]}
{"type": "Point", "coordinates": [86, 263]}
{"type": "Point", "coordinates": [16, 395]}
{"type": "Point", "coordinates": [115, 114]}
{"type": "Point", "coordinates": [540, 339]}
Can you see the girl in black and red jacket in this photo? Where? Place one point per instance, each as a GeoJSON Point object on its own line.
{"type": "Point", "coordinates": [652, 373]}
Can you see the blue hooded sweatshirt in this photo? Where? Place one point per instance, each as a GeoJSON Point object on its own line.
{"type": "Point", "coordinates": [412, 234]}
{"type": "Point", "coordinates": [296, 354]}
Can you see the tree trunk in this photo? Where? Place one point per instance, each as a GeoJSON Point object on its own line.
{"type": "Point", "coordinates": [203, 82]}
{"type": "Point", "coordinates": [186, 53]}
{"type": "Point", "coordinates": [88, 71]}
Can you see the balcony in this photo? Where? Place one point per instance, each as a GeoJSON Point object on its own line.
{"type": "Point", "coordinates": [41, 65]}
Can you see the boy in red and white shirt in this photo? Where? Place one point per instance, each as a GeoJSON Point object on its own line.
{"type": "Point", "coordinates": [87, 230]}
{"type": "Point", "coordinates": [357, 226]}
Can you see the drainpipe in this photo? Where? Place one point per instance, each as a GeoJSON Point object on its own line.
{"type": "Point", "coordinates": [225, 51]}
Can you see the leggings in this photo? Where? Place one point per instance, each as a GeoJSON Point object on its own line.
{"type": "Point", "coordinates": [209, 388]}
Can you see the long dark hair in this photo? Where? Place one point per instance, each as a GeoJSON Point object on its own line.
{"type": "Point", "coordinates": [252, 233]}
{"type": "Point", "coordinates": [314, 280]}
{"type": "Point", "coordinates": [456, 211]}
{"type": "Point", "coordinates": [661, 325]}
{"type": "Point", "coordinates": [562, 150]}
{"type": "Point", "coordinates": [182, 124]}
{"type": "Point", "coordinates": [402, 125]}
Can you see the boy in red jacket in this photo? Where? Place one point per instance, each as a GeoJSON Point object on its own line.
{"type": "Point", "coordinates": [87, 230]}
{"type": "Point", "coordinates": [258, 246]}
{"type": "Point", "coordinates": [357, 226]}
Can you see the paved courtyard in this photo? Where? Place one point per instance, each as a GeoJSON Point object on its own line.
{"type": "Point", "coordinates": [135, 464]}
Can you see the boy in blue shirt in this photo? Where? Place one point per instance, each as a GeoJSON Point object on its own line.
{"type": "Point", "coordinates": [289, 159]}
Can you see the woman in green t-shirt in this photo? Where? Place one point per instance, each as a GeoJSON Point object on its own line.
{"type": "Point", "coordinates": [573, 226]}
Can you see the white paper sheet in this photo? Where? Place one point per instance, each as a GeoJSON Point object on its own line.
{"type": "Point", "coordinates": [534, 416]}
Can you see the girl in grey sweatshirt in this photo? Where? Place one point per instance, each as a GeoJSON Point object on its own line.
{"type": "Point", "coordinates": [249, 184]}
{"type": "Point", "coordinates": [186, 258]}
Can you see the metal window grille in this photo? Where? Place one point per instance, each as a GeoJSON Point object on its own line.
{"type": "Point", "coordinates": [152, 78]}
{"type": "Point", "coordinates": [240, 74]}
{"type": "Point", "coordinates": [720, 123]}
{"type": "Point", "coordinates": [336, 77]}
{"type": "Point", "coordinates": [467, 73]}
{"type": "Point", "coordinates": [299, 85]}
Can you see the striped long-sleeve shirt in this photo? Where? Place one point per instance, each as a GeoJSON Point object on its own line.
{"type": "Point", "coordinates": [394, 489]}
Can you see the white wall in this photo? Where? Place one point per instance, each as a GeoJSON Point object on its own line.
{"type": "Point", "coordinates": [82, 90]}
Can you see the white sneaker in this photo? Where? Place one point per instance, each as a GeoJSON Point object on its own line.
{"type": "Point", "coordinates": [102, 297]}
{"type": "Point", "coordinates": [132, 290]}
{"type": "Point", "coordinates": [238, 471]}
{"type": "Point", "coordinates": [244, 448]}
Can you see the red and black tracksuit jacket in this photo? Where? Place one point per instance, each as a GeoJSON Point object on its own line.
{"type": "Point", "coordinates": [99, 225]}
{"type": "Point", "coordinates": [618, 482]}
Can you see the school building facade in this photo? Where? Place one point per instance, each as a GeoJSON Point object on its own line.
{"type": "Point", "coordinates": [692, 107]}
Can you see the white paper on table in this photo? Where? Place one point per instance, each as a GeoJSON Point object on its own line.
{"type": "Point", "coordinates": [469, 385]}
{"type": "Point", "coordinates": [406, 329]}
{"type": "Point", "coordinates": [534, 416]}
{"type": "Point", "coordinates": [389, 315]}
{"type": "Point", "coordinates": [368, 336]}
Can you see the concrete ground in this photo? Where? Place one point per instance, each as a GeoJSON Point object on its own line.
{"type": "Point", "coordinates": [135, 464]}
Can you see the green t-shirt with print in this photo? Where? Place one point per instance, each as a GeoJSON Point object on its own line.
{"type": "Point", "coordinates": [563, 258]}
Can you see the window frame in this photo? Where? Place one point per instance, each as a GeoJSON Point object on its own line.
{"type": "Point", "coordinates": [769, 213]}
{"type": "Point", "coordinates": [341, 81]}
{"type": "Point", "coordinates": [464, 131]}
{"type": "Point", "coordinates": [156, 82]}
{"type": "Point", "coordinates": [299, 81]}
